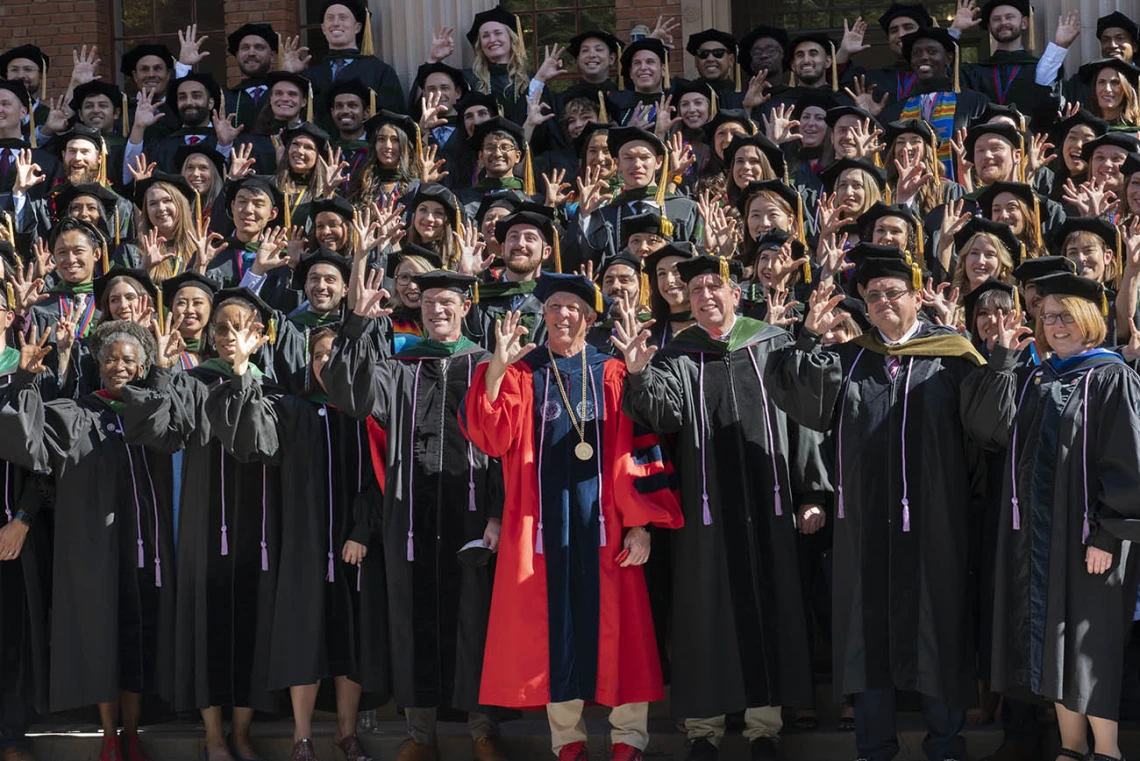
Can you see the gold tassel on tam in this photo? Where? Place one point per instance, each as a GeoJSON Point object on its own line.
{"type": "Point", "coordinates": [419, 140]}
{"type": "Point", "coordinates": [11, 230]}
{"type": "Point", "coordinates": [528, 173]}
{"type": "Point", "coordinates": [102, 178]}
{"type": "Point", "coordinates": [834, 69]}
{"type": "Point", "coordinates": [725, 274]}
{"type": "Point", "coordinates": [475, 292]}
{"type": "Point", "coordinates": [43, 80]}
{"type": "Point", "coordinates": [106, 258]}
{"type": "Point", "coordinates": [915, 277]}
{"type": "Point", "coordinates": [919, 243]}
{"type": "Point", "coordinates": [11, 294]}
{"type": "Point", "coordinates": [807, 271]}
{"type": "Point", "coordinates": [272, 331]}
{"type": "Point", "coordinates": [366, 46]}
{"type": "Point", "coordinates": [1103, 305]}
{"type": "Point", "coordinates": [1118, 250]}
{"type": "Point", "coordinates": [957, 53]}
{"type": "Point", "coordinates": [1038, 241]}
{"type": "Point", "coordinates": [371, 102]}
{"type": "Point", "coordinates": [662, 184]}
{"type": "Point", "coordinates": [713, 110]}
{"type": "Point", "coordinates": [599, 303]}
{"type": "Point", "coordinates": [887, 195]}
{"type": "Point", "coordinates": [737, 76]}
{"type": "Point", "coordinates": [125, 116]}
{"type": "Point", "coordinates": [32, 127]}
{"type": "Point", "coordinates": [603, 117]}
{"type": "Point", "coordinates": [800, 234]}
{"type": "Point", "coordinates": [309, 105]}
{"type": "Point", "coordinates": [280, 57]}
{"type": "Point", "coordinates": [159, 313]}
{"type": "Point", "coordinates": [118, 241]}
{"type": "Point", "coordinates": [665, 66]}
{"type": "Point", "coordinates": [1032, 35]}
{"type": "Point", "coordinates": [643, 287]}
{"type": "Point", "coordinates": [556, 247]}
{"type": "Point", "coordinates": [791, 79]}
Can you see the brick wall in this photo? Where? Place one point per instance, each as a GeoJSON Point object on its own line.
{"type": "Point", "coordinates": [630, 13]}
{"type": "Point", "coordinates": [59, 27]}
{"type": "Point", "coordinates": [282, 14]}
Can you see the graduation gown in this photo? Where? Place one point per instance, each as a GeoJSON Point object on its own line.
{"type": "Point", "coordinates": [242, 101]}
{"type": "Point", "coordinates": [228, 543]}
{"type": "Point", "coordinates": [1008, 77]}
{"type": "Point", "coordinates": [588, 630]}
{"type": "Point", "coordinates": [370, 70]}
{"type": "Point", "coordinates": [495, 300]}
{"type": "Point", "coordinates": [113, 601]}
{"type": "Point", "coordinates": [162, 150]}
{"type": "Point", "coordinates": [439, 492]}
{"type": "Point", "coordinates": [902, 616]}
{"type": "Point", "coordinates": [1071, 478]}
{"type": "Point", "coordinates": [323, 604]}
{"type": "Point", "coordinates": [25, 583]}
{"type": "Point", "coordinates": [740, 637]}
{"type": "Point", "coordinates": [601, 238]}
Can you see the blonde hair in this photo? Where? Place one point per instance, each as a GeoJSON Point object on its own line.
{"type": "Point", "coordinates": [1088, 319]}
{"type": "Point", "coordinates": [930, 194]}
{"type": "Point", "coordinates": [445, 246]}
{"type": "Point", "coordinates": [516, 67]}
{"type": "Point", "coordinates": [181, 241]}
{"type": "Point", "coordinates": [421, 266]}
{"type": "Point", "coordinates": [1084, 236]}
{"type": "Point", "coordinates": [871, 192]}
{"type": "Point", "coordinates": [1005, 263]}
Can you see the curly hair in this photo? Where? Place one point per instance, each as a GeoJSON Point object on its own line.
{"type": "Point", "coordinates": [110, 333]}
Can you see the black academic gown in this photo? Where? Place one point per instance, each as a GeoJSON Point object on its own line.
{"type": "Point", "coordinates": [228, 544]}
{"type": "Point", "coordinates": [370, 70]}
{"type": "Point", "coordinates": [495, 300]}
{"type": "Point", "coordinates": [241, 100]}
{"type": "Point", "coordinates": [1073, 467]}
{"type": "Point", "coordinates": [162, 150]}
{"type": "Point", "coordinates": [1008, 77]}
{"type": "Point", "coordinates": [113, 597]}
{"type": "Point", "coordinates": [902, 616]}
{"type": "Point", "coordinates": [83, 375]}
{"type": "Point", "coordinates": [326, 611]}
{"type": "Point", "coordinates": [740, 635]}
{"type": "Point", "coordinates": [601, 238]}
{"type": "Point", "coordinates": [439, 492]}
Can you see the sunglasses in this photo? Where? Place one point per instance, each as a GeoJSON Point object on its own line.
{"type": "Point", "coordinates": [717, 54]}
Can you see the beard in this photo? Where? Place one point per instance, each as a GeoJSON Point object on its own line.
{"type": "Point", "coordinates": [79, 173]}
{"type": "Point", "coordinates": [1007, 35]}
{"type": "Point", "coordinates": [193, 115]}
{"type": "Point", "coordinates": [811, 80]}
{"type": "Point", "coordinates": [525, 268]}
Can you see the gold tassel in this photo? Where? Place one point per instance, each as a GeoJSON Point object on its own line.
{"type": "Point", "coordinates": [934, 147]}
{"type": "Point", "coordinates": [666, 65]}
{"type": "Point", "coordinates": [599, 304]}
{"type": "Point", "coordinates": [475, 292]}
{"type": "Point", "coordinates": [919, 243]}
{"type": "Point", "coordinates": [458, 217]}
{"type": "Point", "coordinates": [887, 195]}
{"type": "Point", "coordinates": [1038, 241]}
{"type": "Point", "coordinates": [1119, 251]}
{"type": "Point", "coordinates": [528, 173]}
{"type": "Point", "coordinates": [603, 117]}
{"type": "Point", "coordinates": [102, 178]}
{"type": "Point", "coordinates": [118, 242]}
{"type": "Point", "coordinates": [643, 288]}
{"type": "Point", "coordinates": [713, 110]}
{"type": "Point", "coordinates": [43, 80]}
{"type": "Point", "coordinates": [1103, 305]}
{"type": "Point", "coordinates": [280, 57]}
{"type": "Point", "coordinates": [800, 234]}
{"type": "Point", "coordinates": [32, 126]}
{"type": "Point", "coordinates": [198, 208]}
{"type": "Point", "coordinates": [159, 313]}
{"type": "Point", "coordinates": [957, 53]}
{"type": "Point", "coordinates": [371, 102]}
{"type": "Point", "coordinates": [557, 247]}
{"type": "Point", "coordinates": [11, 293]}
{"type": "Point", "coordinates": [366, 46]}
{"type": "Point", "coordinates": [11, 232]}
{"type": "Point", "coordinates": [518, 27]}
{"type": "Point", "coordinates": [106, 259]}
{"type": "Point", "coordinates": [288, 211]}
{"type": "Point", "coordinates": [125, 116]}
{"type": "Point", "coordinates": [659, 196]}
{"type": "Point", "coordinates": [737, 75]}
{"type": "Point", "coordinates": [834, 69]}
{"type": "Point", "coordinates": [419, 140]}
{"type": "Point", "coordinates": [724, 271]}
{"type": "Point", "coordinates": [807, 272]}
{"type": "Point", "coordinates": [272, 331]}
{"type": "Point", "coordinates": [309, 105]}
{"type": "Point", "coordinates": [1032, 36]}
{"type": "Point", "coordinates": [621, 73]}
{"type": "Point", "coordinates": [915, 277]}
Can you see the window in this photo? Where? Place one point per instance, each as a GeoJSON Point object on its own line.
{"type": "Point", "coordinates": [139, 21]}
{"type": "Point", "coordinates": [828, 15]}
{"type": "Point", "coordinates": [546, 22]}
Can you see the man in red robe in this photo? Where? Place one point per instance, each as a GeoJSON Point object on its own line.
{"type": "Point", "coordinates": [570, 619]}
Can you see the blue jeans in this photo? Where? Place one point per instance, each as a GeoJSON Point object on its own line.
{"type": "Point", "coordinates": [876, 732]}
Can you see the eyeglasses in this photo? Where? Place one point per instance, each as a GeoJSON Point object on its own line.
{"type": "Point", "coordinates": [403, 279]}
{"type": "Point", "coordinates": [1052, 317]}
{"type": "Point", "coordinates": [874, 297]}
{"type": "Point", "coordinates": [718, 54]}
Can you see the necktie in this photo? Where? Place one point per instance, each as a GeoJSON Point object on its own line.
{"type": "Point", "coordinates": [337, 65]}
{"type": "Point", "coordinates": [256, 93]}
{"type": "Point", "coordinates": [193, 139]}
{"type": "Point", "coordinates": [5, 166]}
{"type": "Point", "coordinates": [893, 364]}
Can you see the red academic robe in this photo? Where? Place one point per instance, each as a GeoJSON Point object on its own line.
{"type": "Point", "coordinates": [516, 663]}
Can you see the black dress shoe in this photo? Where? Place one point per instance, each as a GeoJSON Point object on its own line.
{"type": "Point", "coordinates": [765, 749]}
{"type": "Point", "coordinates": [702, 750]}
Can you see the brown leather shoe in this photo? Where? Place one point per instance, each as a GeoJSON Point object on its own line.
{"type": "Point", "coordinates": [490, 748]}
{"type": "Point", "coordinates": [414, 751]}
{"type": "Point", "coordinates": [303, 751]}
{"type": "Point", "coordinates": [352, 749]}
{"type": "Point", "coordinates": [17, 754]}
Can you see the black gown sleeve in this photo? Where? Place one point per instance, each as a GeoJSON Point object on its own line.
{"type": "Point", "coordinates": [249, 423]}
{"type": "Point", "coordinates": [357, 382]}
{"type": "Point", "coordinates": [988, 401]}
{"type": "Point", "coordinates": [166, 413]}
{"type": "Point", "coordinates": [655, 397]}
{"type": "Point", "coordinates": [805, 381]}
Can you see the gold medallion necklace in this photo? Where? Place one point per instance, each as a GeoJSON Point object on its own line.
{"type": "Point", "coordinates": [583, 451]}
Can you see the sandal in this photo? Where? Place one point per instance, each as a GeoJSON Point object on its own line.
{"type": "Point", "coordinates": [1067, 753]}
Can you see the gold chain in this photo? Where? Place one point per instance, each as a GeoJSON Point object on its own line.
{"type": "Point", "coordinates": [579, 427]}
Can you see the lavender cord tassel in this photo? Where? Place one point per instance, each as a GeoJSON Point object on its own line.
{"type": "Point", "coordinates": [470, 496]}
{"type": "Point", "coordinates": [841, 513]}
{"type": "Point", "coordinates": [538, 540]}
{"type": "Point", "coordinates": [706, 516]}
{"type": "Point", "coordinates": [411, 546]}
{"type": "Point", "coordinates": [602, 524]}
{"type": "Point", "coordinates": [779, 501]}
{"type": "Point", "coordinates": [158, 572]}
{"type": "Point", "coordinates": [264, 557]}
{"type": "Point", "coordinates": [906, 515]}
{"type": "Point", "coordinates": [359, 572]}
{"type": "Point", "coordinates": [142, 558]}
{"type": "Point", "coordinates": [1016, 514]}
{"type": "Point", "coordinates": [225, 542]}
{"type": "Point", "coordinates": [330, 575]}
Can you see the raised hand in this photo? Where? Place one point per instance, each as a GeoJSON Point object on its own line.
{"type": "Point", "coordinates": [58, 114]}
{"type": "Point", "coordinates": [154, 250]}
{"type": "Point", "coordinates": [28, 173]}
{"type": "Point", "coordinates": [1038, 154]}
{"type": "Point", "coordinates": [190, 46]}
{"type": "Point", "coordinates": [250, 336]}
{"type": "Point", "coordinates": [139, 168]}
{"type": "Point", "coordinates": [294, 56]}
{"type": "Point", "coordinates": [33, 351]}
{"type": "Point", "coordinates": [1068, 29]}
{"type": "Point", "coordinates": [945, 307]}
{"type": "Point", "coordinates": [832, 254]}
{"type": "Point", "coordinates": [28, 287]}
{"type": "Point", "coordinates": [557, 190]}
{"type": "Point", "coordinates": [470, 245]}
{"type": "Point", "coordinates": [536, 114]}
{"type": "Point", "coordinates": [1132, 248]}
{"type": "Point", "coordinates": [147, 115]}
{"type": "Point", "coordinates": [966, 16]}
{"type": "Point", "coordinates": [170, 343]}
{"type": "Point", "coordinates": [780, 126]}
{"type": "Point", "coordinates": [784, 265]}
{"type": "Point", "coordinates": [964, 165]}
{"type": "Point", "coordinates": [640, 116]}
{"type": "Point", "coordinates": [333, 171]}
{"type": "Point", "coordinates": [431, 168]}
{"type": "Point", "coordinates": [664, 29]}
{"type": "Point", "coordinates": [592, 192]}
{"type": "Point", "coordinates": [271, 251]}
{"type": "Point", "coordinates": [864, 96]}
{"type": "Point", "coordinates": [681, 155]}
{"type": "Point", "coordinates": [442, 44]}
{"type": "Point", "coordinates": [432, 112]}
{"type": "Point", "coordinates": [830, 217]}
{"type": "Point", "coordinates": [1012, 333]}
{"type": "Point", "coordinates": [391, 223]}
{"type": "Point", "coordinates": [666, 121]}
{"type": "Point", "coordinates": [551, 63]}
{"type": "Point", "coordinates": [913, 174]}
{"type": "Point", "coordinates": [781, 311]}
{"type": "Point", "coordinates": [64, 340]}
{"type": "Point", "coordinates": [851, 44]}
{"type": "Point", "coordinates": [366, 231]}
{"type": "Point", "coordinates": [226, 127]}
{"type": "Point", "coordinates": [84, 64]}
{"type": "Point", "coordinates": [755, 96]}
{"type": "Point", "coordinates": [868, 138]}
{"type": "Point", "coordinates": [205, 244]}
{"type": "Point", "coordinates": [821, 316]}
{"type": "Point", "coordinates": [631, 337]}
{"type": "Point", "coordinates": [586, 270]}
{"type": "Point", "coordinates": [241, 161]}
{"type": "Point", "coordinates": [294, 246]}
{"type": "Point", "coordinates": [509, 332]}
{"type": "Point", "coordinates": [371, 298]}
